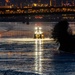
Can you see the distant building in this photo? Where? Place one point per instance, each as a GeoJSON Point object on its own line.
{"type": "Point", "coordinates": [50, 2]}
{"type": "Point", "coordinates": [7, 2]}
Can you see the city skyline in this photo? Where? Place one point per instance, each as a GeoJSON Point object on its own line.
{"type": "Point", "coordinates": [57, 2]}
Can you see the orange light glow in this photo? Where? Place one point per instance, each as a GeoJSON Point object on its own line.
{"type": "Point", "coordinates": [34, 4]}
{"type": "Point", "coordinates": [38, 17]}
{"type": "Point", "coordinates": [7, 1]}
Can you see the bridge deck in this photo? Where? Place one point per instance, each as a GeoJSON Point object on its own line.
{"type": "Point", "coordinates": [36, 11]}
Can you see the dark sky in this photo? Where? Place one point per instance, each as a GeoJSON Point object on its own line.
{"type": "Point", "coordinates": [37, 0]}
{"type": "Point", "coordinates": [58, 1]}
{"type": "Point", "coordinates": [43, 1]}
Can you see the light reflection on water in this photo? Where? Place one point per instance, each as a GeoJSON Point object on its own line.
{"type": "Point", "coordinates": [38, 56]}
{"type": "Point", "coordinates": [26, 56]}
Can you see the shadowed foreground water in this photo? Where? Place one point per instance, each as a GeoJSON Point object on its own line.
{"type": "Point", "coordinates": [39, 57]}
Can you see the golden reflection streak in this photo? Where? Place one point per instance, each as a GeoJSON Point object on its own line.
{"type": "Point", "coordinates": [38, 55]}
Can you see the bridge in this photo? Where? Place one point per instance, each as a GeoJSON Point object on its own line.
{"type": "Point", "coordinates": [23, 14]}
{"type": "Point", "coordinates": [36, 11]}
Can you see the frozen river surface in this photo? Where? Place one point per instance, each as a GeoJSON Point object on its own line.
{"type": "Point", "coordinates": [34, 57]}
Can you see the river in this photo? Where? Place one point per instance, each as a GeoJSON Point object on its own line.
{"type": "Point", "coordinates": [35, 56]}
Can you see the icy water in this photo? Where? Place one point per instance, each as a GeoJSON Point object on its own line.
{"type": "Point", "coordinates": [41, 57]}
{"type": "Point", "coordinates": [33, 57]}
{"type": "Point", "coordinates": [28, 56]}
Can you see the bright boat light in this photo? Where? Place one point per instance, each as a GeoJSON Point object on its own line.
{"type": "Point", "coordinates": [40, 28]}
{"type": "Point", "coordinates": [38, 32]}
{"type": "Point", "coordinates": [36, 28]}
